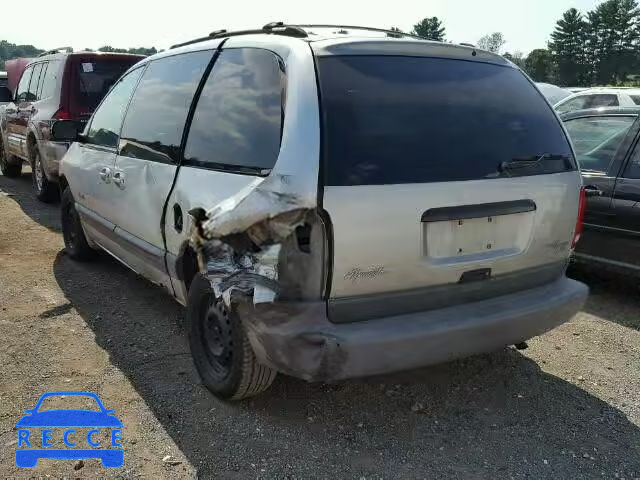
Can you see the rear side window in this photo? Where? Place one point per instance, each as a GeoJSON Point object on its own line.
{"type": "Point", "coordinates": [49, 79]}
{"type": "Point", "coordinates": [597, 140]}
{"type": "Point", "coordinates": [238, 120]}
{"type": "Point", "coordinates": [390, 120]}
{"type": "Point", "coordinates": [636, 99]}
{"type": "Point", "coordinates": [597, 101]}
{"type": "Point", "coordinates": [156, 117]}
{"type": "Point", "coordinates": [94, 77]}
{"type": "Point", "coordinates": [32, 96]}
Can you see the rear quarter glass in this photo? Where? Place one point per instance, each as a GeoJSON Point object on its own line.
{"type": "Point", "coordinates": [91, 77]}
{"type": "Point", "coordinates": [396, 119]}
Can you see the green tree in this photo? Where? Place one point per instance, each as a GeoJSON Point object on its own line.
{"type": "Point", "coordinates": [517, 58]}
{"type": "Point", "coordinates": [11, 50]}
{"type": "Point", "coordinates": [492, 42]}
{"type": "Point", "coordinates": [568, 49]}
{"type": "Point", "coordinates": [613, 40]}
{"type": "Point", "coordinates": [540, 66]}
{"type": "Point", "coordinates": [430, 28]}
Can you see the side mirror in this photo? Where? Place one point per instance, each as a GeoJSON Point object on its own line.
{"type": "Point", "coordinates": [65, 131]}
{"type": "Point", "coordinates": [5, 95]}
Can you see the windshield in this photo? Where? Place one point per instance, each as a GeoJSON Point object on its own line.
{"type": "Point", "coordinates": [391, 119]}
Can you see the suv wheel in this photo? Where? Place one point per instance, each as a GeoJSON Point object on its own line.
{"type": "Point", "coordinates": [75, 241]}
{"type": "Point", "coordinates": [46, 191]}
{"type": "Point", "coordinates": [8, 169]}
{"type": "Point", "coordinates": [220, 348]}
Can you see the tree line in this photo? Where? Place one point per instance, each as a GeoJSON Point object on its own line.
{"type": "Point", "coordinates": [601, 47]}
{"type": "Point", "coordinates": [11, 50]}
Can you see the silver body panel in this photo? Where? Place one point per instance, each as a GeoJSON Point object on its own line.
{"type": "Point", "coordinates": [378, 229]}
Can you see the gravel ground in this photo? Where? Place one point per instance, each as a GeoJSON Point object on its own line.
{"type": "Point", "coordinates": [568, 407]}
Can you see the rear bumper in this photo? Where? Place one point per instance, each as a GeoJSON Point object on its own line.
{"type": "Point", "coordinates": [299, 340]}
{"type": "Point", "coordinates": [51, 154]}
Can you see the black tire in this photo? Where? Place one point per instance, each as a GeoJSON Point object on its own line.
{"type": "Point", "coordinates": [220, 348]}
{"type": "Point", "coordinates": [75, 242]}
{"type": "Point", "coordinates": [46, 191]}
{"type": "Point", "coordinates": [8, 169]}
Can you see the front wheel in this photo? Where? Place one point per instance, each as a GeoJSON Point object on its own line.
{"type": "Point", "coordinates": [46, 191]}
{"type": "Point", "coordinates": [75, 241]}
{"type": "Point", "coordinates": [220, 348]}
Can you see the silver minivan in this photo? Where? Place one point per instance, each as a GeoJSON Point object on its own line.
{"type": "Point", "coordinates": [331, 202]}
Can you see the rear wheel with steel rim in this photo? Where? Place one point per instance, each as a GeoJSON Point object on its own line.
{"type": "Point", "coordinates": [46, 191]}
{"type": "Point", "coordinates": [75, 241]}
{"type": "Point", "coordinates": [220, 348]}
{"type": "Point", "coordinates": [8, 169]}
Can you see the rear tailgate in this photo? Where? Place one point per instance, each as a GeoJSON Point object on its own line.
{"type": "Point", "coordinates": [88, 78]}
{"type": "Point", "coordinates": [436, 182]}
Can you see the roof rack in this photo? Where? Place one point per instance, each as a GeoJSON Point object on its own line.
{"type": "Point", "coordinates": [274, 28]}
{"type": "Point", "coordinates": [344, 29]}
{"type": "Point", "coordinates": [56, 50]}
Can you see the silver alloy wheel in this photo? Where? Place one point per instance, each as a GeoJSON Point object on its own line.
{"type": "Point", "coordinates": [37, 171]}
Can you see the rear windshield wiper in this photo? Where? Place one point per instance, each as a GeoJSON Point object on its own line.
{"type": "Point", "coordinates": [524, 162]}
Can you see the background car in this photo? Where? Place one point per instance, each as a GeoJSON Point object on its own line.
{"type": "Point", "coordinates": [599, 98]}
{"type": "Point", "coordinates": [608, 151]}
{"type": "Point", "coordinates": [54, 86]}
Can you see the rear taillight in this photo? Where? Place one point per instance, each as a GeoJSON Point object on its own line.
{"type": "Point", "coordinates": [62, 114]}
{"type": "Point", "coordinates": [582, 205]}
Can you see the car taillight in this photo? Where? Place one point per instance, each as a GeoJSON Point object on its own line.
{"type": "Point", "coordinates": [582, 205]}
{"type": "Point", "coordinates": [62, 114]}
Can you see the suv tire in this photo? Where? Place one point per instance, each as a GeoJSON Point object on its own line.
{"type": "Point", "coordinates": [75, 241]}
{"type": "Point", "coordinates": [46, 191]}
{"type": "Point", "coordinates": [220, 348]}
{"type": "Point", "coordinates": [11, 170]}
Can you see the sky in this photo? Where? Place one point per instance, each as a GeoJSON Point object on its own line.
{"type": "Point", "coordinates": [526, 24]}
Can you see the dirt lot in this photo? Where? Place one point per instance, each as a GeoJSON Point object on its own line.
{"type": "Point", "coordinates": [568, 407]}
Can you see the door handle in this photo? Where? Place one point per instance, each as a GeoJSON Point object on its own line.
{"type": "Point", "coordinates": [105, 175]}
{"type": "Point", "coordinates": [592, 191]}
{"type": "Point", "coordinates": [118, 179]}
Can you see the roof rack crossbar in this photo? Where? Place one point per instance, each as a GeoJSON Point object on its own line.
{"type": "Point", "coordinates": [274, 28]}
{"type": "Point", "coordinates": [55, 50]}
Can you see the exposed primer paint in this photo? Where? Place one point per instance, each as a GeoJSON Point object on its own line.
{"type": "Point", "coordinates": [240, 239]}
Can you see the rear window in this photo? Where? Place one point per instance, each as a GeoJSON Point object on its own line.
{"type": "Point", "coordinates": [94, 78]}
{"type": "Point", "coordinates": [390, 120]}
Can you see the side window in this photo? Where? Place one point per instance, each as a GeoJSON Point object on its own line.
{"type": "Point", "coordinates": [633, 167]}
{"type": "Point", "coordinates": [596, 101]}
{"type": "Point", "coordinates": [577, 103]}
{"type": "Point", "coordinates": [597, 139]}
{"type": "Point", "coordinates": [23, 87]}
{"type": "Point", "coordinates": [238, 119]}
{"type": "Point", "coordinates": [636, 99]}
{"type": "Point", "coordinates": [49, 80]}
{"type": "Point", "coordinates": [158, 112]}
{"type": "Point", "coordinates": [107, 120]}
{"type": "Point", "coordinates": [32, 94]}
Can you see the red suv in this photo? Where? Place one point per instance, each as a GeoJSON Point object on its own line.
{"type": "Point", "coordinates": [54, 86]}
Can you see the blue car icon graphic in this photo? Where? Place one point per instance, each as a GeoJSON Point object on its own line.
{"type": "Point", "coordinates": [68, 419]}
